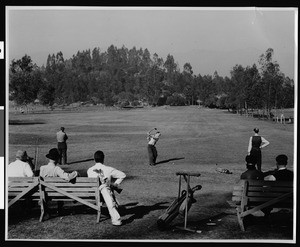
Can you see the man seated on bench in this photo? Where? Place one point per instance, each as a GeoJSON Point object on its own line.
{"type": "Point", "coordinates": [281, 173]}
{"type": "Point", "coordinates": [20, 167]}
{"type": "Point", "coordinates": [252, 172]}
{"type": "Point", "coordinates": [106, 175]}
{"type": "Point", "coordinates": [52, 170]}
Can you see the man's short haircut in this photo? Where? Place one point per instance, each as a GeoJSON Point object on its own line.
{"type": "Point", "coordinates": [62, 128]}
{"type": "Point", "coordinates": [282, 160]}
{"type": "Point", "coordinates": [99, 156]}
{"type": "Point", "coordinates": [256, 130]}
{"type": "Point", "coordinates": [250, 159]}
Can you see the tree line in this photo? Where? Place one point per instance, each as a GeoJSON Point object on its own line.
{"type": "Point", "coordinates": [125, 76]}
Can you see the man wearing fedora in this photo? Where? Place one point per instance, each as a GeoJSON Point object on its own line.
{"type": "Point", "coordinates": [52, 170]}
{"type": "Point", "coordinates": [20, 167]}
{"type": "Point", "coordinates": [110, 178]}
{"type": "Point", "coordinates": [62, 138]}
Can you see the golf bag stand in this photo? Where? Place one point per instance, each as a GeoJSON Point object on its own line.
{"type": "Point", "coordinates": [181, 204]}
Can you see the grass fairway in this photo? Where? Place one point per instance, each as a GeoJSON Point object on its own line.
{"type": "Point", "coordinates": [193, 139]}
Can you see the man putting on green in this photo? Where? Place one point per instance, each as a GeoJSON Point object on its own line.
{"type": "Point", "coordinates": [152, 140]}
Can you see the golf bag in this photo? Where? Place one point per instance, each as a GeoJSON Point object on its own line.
{"type": "Point", "coordinates": [178, 206]}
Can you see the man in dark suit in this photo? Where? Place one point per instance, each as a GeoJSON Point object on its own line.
{"type": "Point", "coordinates": [252, 172]}
{"type": "Point", "coordinates": [281, 173]}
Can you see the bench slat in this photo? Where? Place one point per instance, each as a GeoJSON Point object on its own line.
{"type": "Point", "coordinates": [77, 180]}
{"type": "Point", "coordinates": [270, 190]}
{"type": "Point", "coordinates": [22, 179]}
{"type": "Point", "coordinates": [267, 194]}
{"type": "Point", "coordinates": [270, 183]}
{"type": "Point", "coordinates": [88, 189]}
{"type": "Point", "coordinates": [92, 201]}
{"type": "Point", "coordinates": [50, 194]}
{"type": "Point", "coordinates": [23, 184]}
{"type": "Point", "coordinates": [73, 185]}
{"type": "Point", "coordinates": [263, 199]}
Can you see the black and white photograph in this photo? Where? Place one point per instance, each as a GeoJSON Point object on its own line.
{"type": "Point", "coordinates": [151, 124]}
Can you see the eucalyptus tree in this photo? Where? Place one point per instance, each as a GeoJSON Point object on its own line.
{"type": "Point", "coordinates": [270, 74]}
{"type": "Point", "coordinates": [25, 80]}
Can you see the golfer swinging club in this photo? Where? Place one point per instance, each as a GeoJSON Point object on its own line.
{"type": "Point", "coordinates": [152, 140]}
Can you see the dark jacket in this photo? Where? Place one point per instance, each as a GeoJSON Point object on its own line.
{"type": "Point", "coordinates": [284, 175]}
{"type": "Point", "coordinates": [281, 175]}
{"type": "Point", "coordinates": [252, 174]}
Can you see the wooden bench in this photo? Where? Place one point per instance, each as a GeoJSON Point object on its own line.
{"type": "Point", "coordinates": [20, 188]}
{"type": "Point", "coordinates": [82, 189]}
{"type": "Point", "coordinates": [253, 195]}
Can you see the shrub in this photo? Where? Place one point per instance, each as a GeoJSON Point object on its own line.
{"type": "Point", "coordinates": [175, 100]}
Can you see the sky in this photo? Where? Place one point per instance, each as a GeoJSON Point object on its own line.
{"type": "Point", "coordinates": [210, 39]}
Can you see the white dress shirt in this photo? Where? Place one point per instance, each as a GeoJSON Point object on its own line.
{"type": "Point", "coordinates": [264, 143]}
{"type": "Point", "coordinates": [51, 170]}
{"type": "Point", "coordinates": [61, 136]}
{"type": "Point", "coordinates": [110, 173]}
{"type": "Point", "coordinates": [19, 168]}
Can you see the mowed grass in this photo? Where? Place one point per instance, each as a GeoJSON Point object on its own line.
{"type": "Point", "coordinates": [193, 139]}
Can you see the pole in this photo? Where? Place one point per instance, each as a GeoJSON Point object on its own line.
{"type": "Point", "coordinates": [179, 186]}
{"type": "Point", "coordinates": [186, 201]}
{"type": "Point", "coordinates": [36, 155]}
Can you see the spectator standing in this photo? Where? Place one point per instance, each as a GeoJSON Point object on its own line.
{"type": "Point", "coordinates": [256, 143]}
{"type": "Point", "coordinates": [62, 145]}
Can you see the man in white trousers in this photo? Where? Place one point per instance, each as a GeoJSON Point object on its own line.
{"type": "Point", "coordinates": [109, 177]}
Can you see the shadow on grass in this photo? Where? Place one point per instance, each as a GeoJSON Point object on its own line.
{"type": "Point", "coordinates": [24, 122]}
{"type": "Point", "coordinates": [140, 211]}
{"type": "Point", "coordinates": [22, 210]}
{"type": "Point", "coordinates": [80, 161]}
{"type": "Point", "coordinates": [166, 161]}
{"type": "Point", "coordinates": [282, 219]}
{"type": "Point", "coordinates": [214, 220]}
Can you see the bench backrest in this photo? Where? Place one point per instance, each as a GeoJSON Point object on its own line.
{"type": "Point", "coordinates": [20, 185]}
{"type": "Point", "coordinates": [256, 192]}
{"type": "Point", "coordinates": [59, 189]}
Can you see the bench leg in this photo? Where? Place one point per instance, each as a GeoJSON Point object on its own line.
{"type": "Point", "coordinates": [99, 214]}
{"type": "Point", "coordinates": [42, 211]}
{"type": "Point", "coordinates": [240, 219]}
